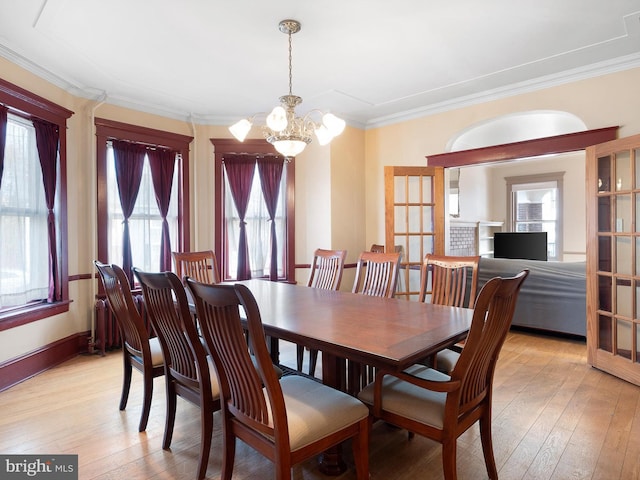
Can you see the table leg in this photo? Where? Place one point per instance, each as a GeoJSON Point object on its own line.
{"type": "Point", "coordinates": [273, 344]}
{"type": "Point", "coordinates": [333, 375]}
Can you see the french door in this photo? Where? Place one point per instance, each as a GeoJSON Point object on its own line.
{"type": "Point", "coordinates": [414, 220]}
{"type": "Point", "coordinates": [613, 257]}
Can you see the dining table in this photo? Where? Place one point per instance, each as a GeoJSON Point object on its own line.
{"type": "Point", "coordinates": [355, 332]}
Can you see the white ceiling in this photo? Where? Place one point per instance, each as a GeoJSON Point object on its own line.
{"type": "Point", "coordinates": [372, 62]}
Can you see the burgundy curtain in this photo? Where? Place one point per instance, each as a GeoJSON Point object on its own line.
{"type": "Point", "coordinates": [3, 136]}
{"type": "Point", "coordinates": [162, 163]}
{"type": "Point", "coordinates": [240, 170]}
{"type": "Point", "coordinates": [270, 170]}
{"type": "Point", "coordinates": [47, 141]}
{"type": "Point", "coordinates": [129, 160]}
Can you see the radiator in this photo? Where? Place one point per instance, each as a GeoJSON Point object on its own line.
{"type": "Point", "coordinates": [107, 332]}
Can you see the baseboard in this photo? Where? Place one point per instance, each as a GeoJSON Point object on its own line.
{"type": "Point", "coordinates": [30, 364]}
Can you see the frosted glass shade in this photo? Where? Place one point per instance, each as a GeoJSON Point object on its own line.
{"type": "Point", "coordinates": [277, 119]}
{"type": "Point", "coordinates": [289, 148]}
{"type": "Point", "coordinates": [334, 124]}
{"type": "Point", "coordinates": [323, 135]}
{"type": "Point", "coordinates": [240, 129]}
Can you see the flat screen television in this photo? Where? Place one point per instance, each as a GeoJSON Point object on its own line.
{"type": "Point", "coordinates": [522, 245]}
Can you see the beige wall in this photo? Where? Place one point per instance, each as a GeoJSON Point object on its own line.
{"type": "Point", "coordinates": [330, 201]}
{"type": "Point", "coordinates": [339, 189]}
{"type": "Point", "coordinates": [600, 102]}
{"type": "Point", "coordinates": [574, 210]}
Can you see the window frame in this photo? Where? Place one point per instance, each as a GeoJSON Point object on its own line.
{"type": "Point", "coordinates": [28, 105]}
{"type": "Point", "coordinates": [107, 130]}
{"type": "Point", "coordinates": [224, 146]}
{"type": "Point", "coordinates": [558, 178]}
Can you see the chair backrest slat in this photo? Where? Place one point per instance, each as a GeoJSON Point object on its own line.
{"type": "Point", "coordinates": [326, 269]}
{"type": "Point", "coordinates": [454, 280]}
{"type": "Point", "coordinates": [168, 309]}
{"type": "Point", "coordinates": [492, 318]}
{"type": "Point", "coordinates": [218, 310]}
{"type": "Point", "coordinates": [201, 266]}
{"type": "Point", "coordinates": [377, 274]}
{"type": "Point", "coordinates": [122, 304]}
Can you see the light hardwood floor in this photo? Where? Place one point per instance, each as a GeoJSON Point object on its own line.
{"type": "Point", "coordinates": [554, 418]}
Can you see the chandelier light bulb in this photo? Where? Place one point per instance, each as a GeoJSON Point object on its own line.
{"type": "Point", "coordinates": [277, 119]}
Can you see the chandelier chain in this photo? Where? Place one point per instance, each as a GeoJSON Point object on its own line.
{"type": "Point", "coordinates": [290, 60]}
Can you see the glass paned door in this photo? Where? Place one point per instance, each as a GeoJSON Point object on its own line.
{"type": "Point", "coordinates": [613, 265]}
{"type": "Point", "coordinates": [414, 220]}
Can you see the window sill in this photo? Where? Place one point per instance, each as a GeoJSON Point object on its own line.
{"type": "Point", "coordinates": [22, 316]}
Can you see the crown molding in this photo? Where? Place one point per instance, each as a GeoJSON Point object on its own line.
{"type": "Point", "coordinates": [590, 71]}
{"type": "Point", "coordinates": [569, 76]}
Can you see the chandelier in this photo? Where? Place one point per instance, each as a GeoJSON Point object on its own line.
{"type": "Point", "coordinates": [288, 133]}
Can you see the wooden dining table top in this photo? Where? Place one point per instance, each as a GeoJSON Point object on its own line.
{"type": "Point", "coordinates": [382, 332]}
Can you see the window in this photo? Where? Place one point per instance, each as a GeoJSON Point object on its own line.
{"type": "Point", "coordinates": [145, 223]}
{"type": "Point", "coordinates": [263, 260]}
{"type": "Point", "coordinates": [454, 192]}
{"type": "Point", "coordinates": [258, 229]}
{"type": "Point", "coordinates": [140, 148]}
{"type": "Point", "coordinates": [23, 219]}
{"type": "Point", "coordinates": [535, 205]}
{"type": "Point", "coordinates": [33, 217]}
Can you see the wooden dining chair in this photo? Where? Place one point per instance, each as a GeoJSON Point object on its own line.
{"type": "Point", "coordinates": [138, 350]}
{"type": "Point", "coordinates": [189, 372]}
{"type": "Point", "coordinates": [326, 269]}
{"type": "Point", "coordinates": [376, 248]}
{"type": "Point", "coordinates": [287, 420]}
{"type": "Point", "coordinates": [203, 266]}
{"type": "Point", "coordinates": [442, 407]}
{"type": "Point", "coordinates": [326, 274]}
{"type": "Point", "coordinates": [377, 274]}
{"type": "Point", "coordinates": [451, 281]}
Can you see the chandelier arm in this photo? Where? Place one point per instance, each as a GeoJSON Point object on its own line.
{"type": "Point", "coordinates": [307, 116]}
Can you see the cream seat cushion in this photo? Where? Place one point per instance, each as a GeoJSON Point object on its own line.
{"type": "Point", "coordinates": [446, 360]}
{"type": "Point", "coordinates": [213, 376]}
{"type": "Point", "coordinates": [156, 352]}
{"type": "Point", "coordinates": [157, 359]}
{"type": "Point", "coordinates": [411, 401]}
{"type": "Point", "coordinates": [315, 410]}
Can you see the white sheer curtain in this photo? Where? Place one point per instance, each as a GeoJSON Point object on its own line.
{"type": "Point", "coordinates": [258, 229]}
{"type": "Point", "coordinates": [145, 224]}
{"type": "Point", "coordinates": [24, 256]}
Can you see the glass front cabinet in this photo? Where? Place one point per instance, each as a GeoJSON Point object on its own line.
{"type": "Point", "coordinates": [613, 257]}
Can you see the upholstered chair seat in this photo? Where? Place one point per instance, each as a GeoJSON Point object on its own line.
{"type": "Point", "coordinates": [157, 360]}
{"type": "Point", "coordinates": [315, 411]}
{"type": "Point", "coordinates": [409, 400]}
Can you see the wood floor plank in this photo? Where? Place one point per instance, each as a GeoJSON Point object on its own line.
{"type": "Point", "coordinates": [612, 455]}
{"type": "Point", "coordinates": [554, 418]}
